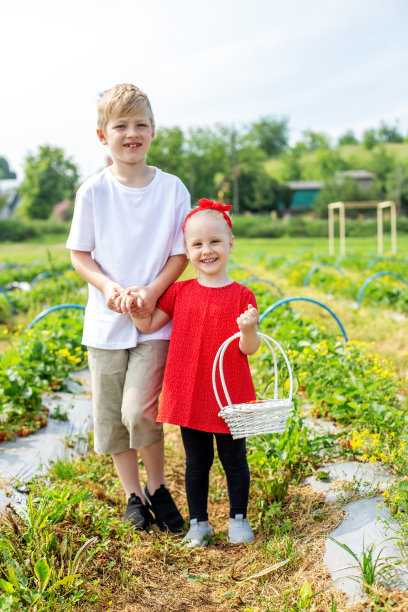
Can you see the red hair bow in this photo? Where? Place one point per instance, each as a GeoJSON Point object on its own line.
{"type": "Point", "coordinates": [204, 204]}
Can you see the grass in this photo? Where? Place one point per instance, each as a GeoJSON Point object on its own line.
{"type": "Point", "coordinates": [280, 571]}
{"type": "Point", "coordinates": [27, 252]}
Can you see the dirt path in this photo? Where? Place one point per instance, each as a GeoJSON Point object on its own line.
{"type": "Point", "coordinates": [159, 574]}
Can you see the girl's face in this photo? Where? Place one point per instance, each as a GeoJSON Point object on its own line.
{"type": "Point", "coordinates": [208, 243]}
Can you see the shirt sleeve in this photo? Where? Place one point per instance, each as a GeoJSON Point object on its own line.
{"type": "Point", "coordinates": [82, 235]}
{"type": "Point", "coordinates": [247, 297]}
{"type": "Point", "coordinates": [177, 247]}
{"type": "Point", "coordinates": [166, 301]}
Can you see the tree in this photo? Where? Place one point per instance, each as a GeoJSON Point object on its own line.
{"type": "Point", "coordinates": [382, 164]}
{"type": "Point", "coordinates": [5, 172]}
{"type": "Point", "coordinates": [343, 189]}
{"type": "Point", "coordinates": [210, 160]}
{"type": "Point", "coordinates": [370, 138]}
{"type": "Point", "coordinates": [389, 133]}
{"type": "Point", "coordinates": [168, 152]}
{"type": "Point", "coordinates": [315, 140]}
{"type": "Point", "coordinates": [348, 138]}
{"type": "Point", "coordinates": [49, 177]}
{"type": "Point", "coordinates": [328, 162]}
{"type": "Point", "coordinates": [292, 165]}
{"type": "Point", "coordinates": [270, 135]}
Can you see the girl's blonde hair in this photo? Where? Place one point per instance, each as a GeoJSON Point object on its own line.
{"type": "Point", "coordinates": [210, 212]}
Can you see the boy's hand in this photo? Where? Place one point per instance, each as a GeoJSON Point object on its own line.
{"type": "Point", "coordinates": [111, 292]}
{"type": "Point", "coordinates": [249, 319]}
{"type": "Point", "coordinates": [137, 300]}
{"type": "Point", "coordinates": [128, 302]}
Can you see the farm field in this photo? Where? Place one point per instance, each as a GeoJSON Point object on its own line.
{"type": "Point", "coordinates": [70, 551]}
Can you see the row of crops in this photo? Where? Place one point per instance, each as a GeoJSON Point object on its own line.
{"type": "Point", "coordinates": [366, 280]}
{"type": "Point", "coordinates": [334, 379]}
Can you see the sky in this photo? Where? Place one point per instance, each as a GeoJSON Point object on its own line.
{"type": "Point", "coordinates": [325, 65]}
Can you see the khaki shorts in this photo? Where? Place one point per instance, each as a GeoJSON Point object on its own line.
{"type": "Point", "coordinates": [126, 385]}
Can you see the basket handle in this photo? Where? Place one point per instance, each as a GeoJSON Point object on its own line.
{"type": "Point", "coordinates": [219, 359]}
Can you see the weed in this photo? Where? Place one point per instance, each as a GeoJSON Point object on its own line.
{"type": "Point", "coordinates": [372, 565]}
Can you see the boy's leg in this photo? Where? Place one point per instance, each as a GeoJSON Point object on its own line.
{"type": "Point", "coordinates": [127, 468]}
{"type": "Point", "coordinates": [141, 392]}
{"type": "Point", "coordinates": [108, 373]}
{"type": "Point", "coordinates": [153, 460]}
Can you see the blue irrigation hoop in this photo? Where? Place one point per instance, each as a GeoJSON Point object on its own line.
{"type": "Point", "coordinates": [346, 256]}
{"type": "Point", "coordinates": [44, 313]}
{"type": "Point", "coordinates": [48, 274]}
{"type": "Point", "coordinates": [275, 258]}
{"type": "Point", "coordinates": [304, 299]}
{"type": "Point", "coordinates": [233, 266]}
{"type": "Point", "coordinates": [371, 278]}
{"type": "Point", "coordinates": [286, 264]}
{"type": "Point", "coordinates": [5, 266]}
{"type": "Point", "coordinates": [375, 260]}
{"type": "Point", "coordinates": [9, 302]}
{"type": "Point", "coordinates": [256, 279]}
{"type": "Point", "coordinates": [316, 268]}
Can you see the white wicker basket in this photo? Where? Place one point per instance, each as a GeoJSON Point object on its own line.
{"type": "Point", "coordinates": [260, 417]}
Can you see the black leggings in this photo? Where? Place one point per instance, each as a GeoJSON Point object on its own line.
{"type": "Point", "coordinates": [199, 448]}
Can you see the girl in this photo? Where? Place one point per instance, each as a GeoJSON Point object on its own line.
{"type": "Point", "coordinates": [206, 312]}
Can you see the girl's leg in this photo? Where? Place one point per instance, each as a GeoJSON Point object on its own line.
{"type": "Point", "coordinates": [199, 449]}
{"type": "Point", "coordinates": [232, 454]}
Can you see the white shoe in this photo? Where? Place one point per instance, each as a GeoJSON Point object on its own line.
{"type": "Point", "coordinates": [239, 530]}
{"type": "Point", "coordinates": [194, 538]}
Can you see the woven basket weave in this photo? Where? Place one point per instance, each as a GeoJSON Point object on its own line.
{"type": "Point", "coordinates": [260, 417]}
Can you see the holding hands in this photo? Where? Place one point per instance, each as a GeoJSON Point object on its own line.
{"type": "Point", "coordinates": [138, 301]}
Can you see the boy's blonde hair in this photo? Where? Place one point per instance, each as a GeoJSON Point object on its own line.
{"type": "Point", "coordinates": [125, 100]}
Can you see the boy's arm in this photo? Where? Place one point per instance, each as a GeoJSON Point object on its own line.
{"type": "Point", "coordinates": [173, 268]}
{"type": "Point", "coordinates": [248, 325]}
{"type": "Point", "coordinates": [150, 323]}
{"type": "Point", "coordinates": [90, 271]}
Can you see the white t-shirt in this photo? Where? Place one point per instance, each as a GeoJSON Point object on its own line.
{"type": "Point", "coordinates": [131, 234]}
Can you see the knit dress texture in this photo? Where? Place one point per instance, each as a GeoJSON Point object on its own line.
{"type": "Point", "coordinates": [203, 318]}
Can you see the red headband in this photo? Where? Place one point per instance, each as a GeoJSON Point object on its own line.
{"type": "Point", "coordinates": [209, 204]}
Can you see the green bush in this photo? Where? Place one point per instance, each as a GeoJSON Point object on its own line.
{"type": "Point", "coordinates": [257, 226]}
{"type": "Point", "coordinates": [17, 230]}
{"type": "Point", "coordinates": [263, 226]}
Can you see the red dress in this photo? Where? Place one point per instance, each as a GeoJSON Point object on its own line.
{"type": "Point", "coordinates": [203, 317]}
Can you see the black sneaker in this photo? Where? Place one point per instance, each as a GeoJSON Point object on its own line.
{"type": "Point", "coordinates": [137, 514]}
{"type": "Point", "coordinates": [164, 509]}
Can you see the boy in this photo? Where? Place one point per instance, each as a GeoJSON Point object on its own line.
{"type": "Point", "coordinates": [126, 228]}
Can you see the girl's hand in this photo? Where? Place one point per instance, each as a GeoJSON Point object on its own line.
{"type": "Point", "coordinates": [128, 302]}
{"type": "Point", "coordinates": [249, 319]}
{"type": "Point", "coordinates": [111, 292]}
{"type": "Point", "coordinates": [139, 301]}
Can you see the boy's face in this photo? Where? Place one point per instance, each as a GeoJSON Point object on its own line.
{"type": "Point", "coordinates": [128, 138]}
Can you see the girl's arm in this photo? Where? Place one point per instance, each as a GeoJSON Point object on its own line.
{"type": "Point", "coordinates": [150, 323]}
{"type": "Point", "coordinates": [148, 295]}
{"type": "Point", "coordinates": [248, 325]}
{"type": "Point", "coordinates": [90, 271]}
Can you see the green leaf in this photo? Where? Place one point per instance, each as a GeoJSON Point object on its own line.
{"type": "Point", "coordinates": [6, 586]}
{"type": "Point", "coordinates": [43, 573]}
